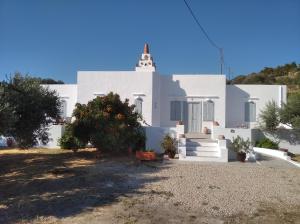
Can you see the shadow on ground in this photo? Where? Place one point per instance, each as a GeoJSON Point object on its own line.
{"type": "Point", "coordinates": [65, 184]}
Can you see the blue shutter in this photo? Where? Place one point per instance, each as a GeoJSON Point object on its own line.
{"type": "Point", "coordinates": [211, 111]}
{"type": "Point", "coordinates": [205, 111]}
{"type": "Point", "coordinates": [172, 111]}
{"type": "Point", "coordinates": [175, 111]}
{"type": "Point", "coordinates": [252, 107]}
{"type": "Point", "coordinates": [250, 112]}
{"type": "Point", "coordinates": [208, 111]}
{"type": "Point", "coordinates": [178, 110]}
{"type": "Point", "coordinates": [247, 112]}
{"type": "Point", "coordinates": [185, 115]}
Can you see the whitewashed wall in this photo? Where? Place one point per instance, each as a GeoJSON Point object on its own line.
{"type": "Point", "coordinates": [156, 100]}
{"type": "Point", "coordinates": [237, 95]}
{"type": "Point", "coordinates": [155, 136]}
{"type": "Point", "coordinates": [128, 84]}
{"type": "Point", "coordinates": [230, 133]}
{"type": "Point", "coordinates": [3, 141]}
{"type": "Point", "coordinates": [192, 88]}
{"type": "Point", "coordinates": [55, 132]}
{"type": "Point", "coordinates": [67, 92]}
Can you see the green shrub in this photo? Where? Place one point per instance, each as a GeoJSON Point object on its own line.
{"type": "Point", "coordinates": [240, 145]}
{"type": "Point", "coordinates": [109, 124]}
{"type": "Point", "coordinates": [139, 141]}
{"type": "Point", "coordinates": [69, 141]}
{"type": "Point", "coordinates": [267, 143]}
{"type": "Point", "coordinates": [169, 144]}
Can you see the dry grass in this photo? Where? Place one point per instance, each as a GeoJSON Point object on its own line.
{"type": "Point", "coordinates": [48, 182]}
{"type": "Point", "coordinates": [15, 151]}
{"type": "Point", "coordinates": [296, 158]}
{"type": "Point", "coordinates": [31, 151]}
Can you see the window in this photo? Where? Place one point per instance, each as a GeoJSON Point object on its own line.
{"type": "Point", "coordinates": [250, 112]}
{"type": "Point", "coordinates": [175, 112]}
{"type": "Point", "coordinates": [208, 110]}
{"type": "Point", "coordinates": [63, 108]}
{"type": "Point", "coordinates": [138, 105]}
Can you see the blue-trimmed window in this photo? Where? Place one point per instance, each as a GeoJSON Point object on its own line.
{"type": "Point", "coordinates": [250, 111]}
{"type": "Point", "coordinates": [208, 110]}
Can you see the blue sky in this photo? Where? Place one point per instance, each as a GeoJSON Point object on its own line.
{"type": "Point", "coordinates": [56, 38]}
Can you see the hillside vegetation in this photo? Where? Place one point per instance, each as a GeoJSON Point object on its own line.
{"type": "Point", "coordinates": [288, 74]}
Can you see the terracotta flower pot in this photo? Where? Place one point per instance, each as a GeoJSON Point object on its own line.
{"type": "Point", "coordinates": [221, 137]}
{"type": "Point", "coordinates": [216, 123]}
{"type": "Point", "coordinates": [179, 123]}
{"type": "Point", "coordinates": [9, 142]}
{"type": "Point", "coordinates": [241, 156]}
{"type": "Point", "coordinates": [205, 130]}
{"type": "Point", "coordinates": [141, 155]}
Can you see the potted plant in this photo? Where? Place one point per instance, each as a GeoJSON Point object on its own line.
{"type": "Point", "coordinates": [241, 147]}
{"type": "Point", "coordinates": [148, 154]}
{"type": "Point", "coordinates": [216, 123]}
{"type": "Point", "coordinates": [9, 142]}
{"type": "Point", "coordinates": [221, 137]}
{"type": "Point", "coordinates": [169, 145]}
{"type": "Point", "coordinates": [205, 130]}
{"type": "Point", "coordinates": [179, 122]}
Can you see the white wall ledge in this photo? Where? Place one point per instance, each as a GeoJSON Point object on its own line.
{"type": "Point", "coordinates": [275, 153]}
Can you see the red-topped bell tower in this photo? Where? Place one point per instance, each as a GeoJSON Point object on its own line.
{"type": "Point", "coordinates": [146, 61]}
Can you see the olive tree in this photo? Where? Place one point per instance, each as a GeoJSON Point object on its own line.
{"type": "Point", "coordinates": [269, 117]}
{"type": "Point", "coordinates": [289, 114]}
{"type": "Point", "coordinates": [26, 110]}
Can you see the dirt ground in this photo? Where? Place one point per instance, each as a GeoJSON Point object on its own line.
{"type": "Point", "coordinates": [56, 186]}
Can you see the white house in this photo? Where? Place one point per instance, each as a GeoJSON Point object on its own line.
{"type": "Point", "coordinates": [204, 103]}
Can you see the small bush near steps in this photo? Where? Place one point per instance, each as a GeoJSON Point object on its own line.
{"type": "Point", "coordinates": [169, 145]}
{"type": "Point", "coordinates": [267, 143]}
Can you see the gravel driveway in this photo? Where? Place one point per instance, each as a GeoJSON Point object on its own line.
{"type": "Point", "coordinates": [77, 188]}
{"type": "Point", "coordinates": [191, 192]}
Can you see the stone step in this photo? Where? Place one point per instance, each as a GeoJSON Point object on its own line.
{"type": "Point", "coordinates": [195, 144]}
{"type": "Point", "coordinates": [201, 140]}
{"type": "Point", "coordinates": [203, 153]}
{"type": "Point", "coordinates": [198, 135]}
{"type": "Point", "coordinates": [203, 148]}
{"type": "Point", "coordinates": [202, 159]}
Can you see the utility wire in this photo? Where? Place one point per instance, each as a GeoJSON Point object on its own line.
{"type": "Point", "coordinates": [220, 49]}
{"type": "Point", "coordinates": [201, 27]}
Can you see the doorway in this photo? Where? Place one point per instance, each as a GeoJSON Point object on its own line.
{"type": "Point", "coordinates": [193, 117]}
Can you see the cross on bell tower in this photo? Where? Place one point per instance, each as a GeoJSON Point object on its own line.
{"type": "Point", "coordinates": [146, 61]}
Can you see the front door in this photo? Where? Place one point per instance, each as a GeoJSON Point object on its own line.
{"type": "Point", "coordinates": [193, 120]}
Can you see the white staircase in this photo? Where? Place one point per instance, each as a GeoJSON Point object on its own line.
{"type": "Point", "coordinates": [202, 148]}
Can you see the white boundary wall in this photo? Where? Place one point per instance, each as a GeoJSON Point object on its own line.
{"type": "Point", "coordinates": [276, 154]}
{"type": "Point", "coordinates": [155, 136]}
{"type": "Point", "coordinates": [272, 152]}
{"type": "Point", "coordinates": [229, 133]}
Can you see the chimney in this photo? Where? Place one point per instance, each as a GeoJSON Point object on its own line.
{"type": "Point", "coordinates": [146, 49]}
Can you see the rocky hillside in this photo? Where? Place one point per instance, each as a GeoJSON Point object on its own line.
{"type": "Point", "coordinates": [288, 74]}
